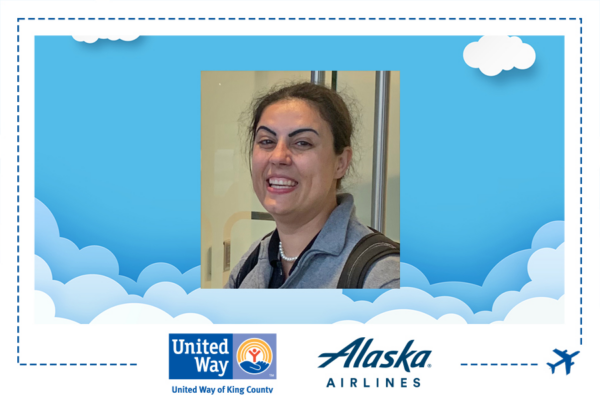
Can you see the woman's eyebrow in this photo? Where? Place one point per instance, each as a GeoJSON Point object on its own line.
{"type": "Point", "coordinates": [266, 129]}
{"type": "Point", "coordinates": [297, 131]}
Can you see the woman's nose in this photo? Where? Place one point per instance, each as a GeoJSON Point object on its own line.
{"type": "Point", "coordinates": [280, 154]}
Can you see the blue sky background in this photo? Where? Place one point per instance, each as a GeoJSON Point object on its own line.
{"type": "Point", "coordinates": [482, 158]}
{"type": "Point", "coordinates": [118, 143]}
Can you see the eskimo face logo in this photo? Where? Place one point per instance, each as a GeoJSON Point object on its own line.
{"type": "Point", "coordinates": [254, 356]}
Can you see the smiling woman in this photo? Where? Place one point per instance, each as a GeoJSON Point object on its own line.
{"type": "Point", "coordinates": [300, 149]}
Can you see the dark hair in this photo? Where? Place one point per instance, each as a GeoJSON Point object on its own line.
{"type": "Point", "coordinates": [330, 105]}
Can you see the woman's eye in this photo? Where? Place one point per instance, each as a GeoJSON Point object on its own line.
{"type": "Point", "coordinates": [303, 143]}
{"type": "Point", "coordinates": [265, 142]}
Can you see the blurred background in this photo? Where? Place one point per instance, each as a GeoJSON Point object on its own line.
{"type": "Point", "coordinates": [232, 217]}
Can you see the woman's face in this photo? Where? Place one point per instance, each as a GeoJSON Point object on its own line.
{"type": "Point", "coordinates": [294, 166]}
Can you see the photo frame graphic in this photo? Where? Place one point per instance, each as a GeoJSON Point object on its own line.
{"type": "Point", "coordinates": [366, 311]}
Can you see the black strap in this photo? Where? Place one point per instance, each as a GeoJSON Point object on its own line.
{"type": "Point", "coordinates": [367, 251]}
{"type": "Point", "coordinates": [249, 264]}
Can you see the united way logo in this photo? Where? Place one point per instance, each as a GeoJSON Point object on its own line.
{"type": "Point", "coordinates": [222, 356]}
{"type": "Point", "coordinates": [254, 356]}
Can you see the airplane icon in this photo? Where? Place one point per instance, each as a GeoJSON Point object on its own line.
{"type": "Point", "coordinates": [566, 358]}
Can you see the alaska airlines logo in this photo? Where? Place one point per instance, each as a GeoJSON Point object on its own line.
{"type": "Point", "coordinates": [378, 358]}
{"type": "Point", "coordinates": [254, 356]}
{"type": "Point", "coordinates": [214, 356]}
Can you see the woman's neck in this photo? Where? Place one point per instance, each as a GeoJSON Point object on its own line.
{"type": "Point", "coordinates": [296, 234]}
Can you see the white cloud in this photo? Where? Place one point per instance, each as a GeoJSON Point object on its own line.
{"type": "Point", "coordinates": [45, 310]}
{"type": "Point", "coordinates": [83, 297]}
{"type": "Point", "coordinates": [451, 319]}
{"type": "Point", "coordinates": [414, 317]}
{"type": "Point", "coordinates": [493, 54]}
{"type": "Point", "coordinates": [145, 314]}
{"type": "Point", "coordinates": [113, 37]}
{"type": "Point", "coordinates": [546, 270]}
{"type": "Point", "coordinates": [539, 310]}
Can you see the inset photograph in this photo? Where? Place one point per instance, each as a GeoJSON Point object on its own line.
{"type": "Point", "coordinates": [300, 179]}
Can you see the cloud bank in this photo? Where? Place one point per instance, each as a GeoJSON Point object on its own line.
{"type": "Point", "coordinates": [510, 275]}
{"type": "Point", "coordinates": [84, 286]}
{"type": "Point", "coordinates": [67, 261]}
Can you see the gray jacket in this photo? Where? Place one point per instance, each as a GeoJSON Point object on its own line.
{"type": "Point", "coordinates": [321, 266]}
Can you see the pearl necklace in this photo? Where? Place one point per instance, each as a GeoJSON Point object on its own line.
{"type": "Point", "coordinates": [283, 255]}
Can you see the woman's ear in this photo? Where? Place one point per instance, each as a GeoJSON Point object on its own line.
{"type": "Point", "coordinates": [343, 162]}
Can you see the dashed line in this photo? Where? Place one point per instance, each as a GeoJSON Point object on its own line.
{"type": "Point", "coordinates": [581, 181]}
{"type": "Point", "coordinates": [18, 196]}
{"type": "Point", "coordinates": [304, 19]}
{"type": "Point", "coordinates": [79, 364]}
{"type": "Point", "coordinates": [497, 364]}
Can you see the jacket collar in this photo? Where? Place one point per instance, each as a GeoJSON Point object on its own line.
{"type": "Point", "coordinates": [332, 237]}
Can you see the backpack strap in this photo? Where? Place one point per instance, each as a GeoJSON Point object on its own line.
{"type": "Point", "coordinates": [249, 264]}
{"type": "Point", "coordinates": [367, 251]}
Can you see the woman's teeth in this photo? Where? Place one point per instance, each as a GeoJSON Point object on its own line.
{"type": "Point", "coordinates": [281, 183]}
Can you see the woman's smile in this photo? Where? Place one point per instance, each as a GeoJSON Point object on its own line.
{"type": "Point", "coordinates": [281, 185]}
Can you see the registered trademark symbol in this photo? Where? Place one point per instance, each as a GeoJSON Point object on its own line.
{"type": "Point", "coordinates": [428, 365]}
